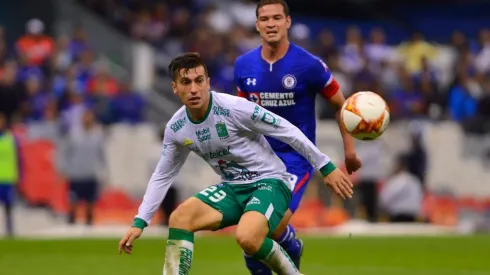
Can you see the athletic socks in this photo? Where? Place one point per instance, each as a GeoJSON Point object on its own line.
{"type": "Point", "coordinates": [178, 255]}
{"type": "Point", "coordinates": [289, 242]}
{"type": "Point", "coordinates": [272, 254]}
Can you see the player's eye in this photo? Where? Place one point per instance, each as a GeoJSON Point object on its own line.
{"type": "Point", "coordinates": [185, 82]}
{"type": "Point", "coordinates": [200, 80]}
{"type": "Point", "coordinates": [278, 17]}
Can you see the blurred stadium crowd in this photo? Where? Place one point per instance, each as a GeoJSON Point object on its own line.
{"type": "Point", "coordinates": [54, 85]}
{"type": "Point", "coordinates": [418, 78]}
{"type": "Point", "coordinates": [45, 77]}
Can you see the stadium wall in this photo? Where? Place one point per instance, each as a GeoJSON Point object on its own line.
{"type": "Point", "coordinates": [134, 150]}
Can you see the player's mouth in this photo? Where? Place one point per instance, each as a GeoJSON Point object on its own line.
{"type": "Point", "coordinates": [271, 33]}
{"type": "Point", "coordinates": [194, 100]}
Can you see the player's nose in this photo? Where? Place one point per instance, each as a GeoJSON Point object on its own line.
{"type": "Point", "coordinates": [194, 88]}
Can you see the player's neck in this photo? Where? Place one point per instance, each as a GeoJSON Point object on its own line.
{"type": "Point", "coordinates": [199, 114]}
{"type": "Point", "coordinates": [272, 53]}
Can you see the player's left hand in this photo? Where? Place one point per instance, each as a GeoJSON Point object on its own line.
{"type": "Point", "coordinates": [127, 241]}
{"type": "Point", "coordinates": [352, 163]}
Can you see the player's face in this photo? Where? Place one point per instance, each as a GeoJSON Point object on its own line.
{"type": "Point", "coordinates": [192, 86]}
{"type": "Point", "coordinates": [272, 23]}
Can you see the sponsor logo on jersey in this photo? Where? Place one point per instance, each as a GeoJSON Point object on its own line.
{"type": "Point", "coordinates": [221, 130]}
{"type": "Point", "coordinates": [176, 126]}
{"type": "Point", "coordinates": [254, 200]}
{"type": "Point", "coordinates": [265, 187]}
{"type": "Point", "coordinates": [272, 99]}
{"type": "Point", "coordinates": [203, 134]}
{"type": "Point", "coordinates": [164, 150]}
{"type": "Point", "coordinates": [256, 113]}
{"type": "Point", "coordinates": [289, 81]}
{"type": "Point", "coordinates": [251, 81]}
{"type": "Point", "coordinates": [220, 111]}
{"type": "Point", "coordinates": [188, 142]}
{"type": "Point", "coordinates": [219, 153]}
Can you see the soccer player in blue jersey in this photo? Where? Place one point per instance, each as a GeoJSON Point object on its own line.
{"type": "Point", "coordinates": [285, 79]}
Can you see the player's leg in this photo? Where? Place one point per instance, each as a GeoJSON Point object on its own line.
{"type": "Point", "coordinates": [285, 234]}
{"type": "Point", "coordinates": [211, 209]}
{"type": "Point", "coordinates": [263, 212]}
{"type": "Point", "coordinates": [9, 219]}
{"type": "Point", "coordinates": [91, 189]}
{"type": "Point", "coordinates": [74, 197]}
{"type": "Point", "coordinates": [7, 198]}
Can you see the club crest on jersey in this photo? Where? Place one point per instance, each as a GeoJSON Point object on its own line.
{"type": "Point", "coordinates": [221, 130]}
{"type": "Point", "coordinates": [289, 81]}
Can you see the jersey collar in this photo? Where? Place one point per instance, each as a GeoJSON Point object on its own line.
{"type": "Point", "coordinates": [205, 115]}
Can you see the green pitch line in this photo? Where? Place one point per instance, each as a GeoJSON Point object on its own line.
{"type": "Point", "coordinates": [221, 255]}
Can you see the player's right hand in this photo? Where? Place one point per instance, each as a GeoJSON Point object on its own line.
{"type": "Point", "coordinates": [339, 183]}
{"type": "Point", "coordinates": [127, 241]}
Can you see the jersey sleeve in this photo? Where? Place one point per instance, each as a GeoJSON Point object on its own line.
{"type": "Point", "coordinates": [171, 160]}
{"type": "Point", "coordinates": [251, 117]}
{"type": "Point", "coordinates": [236, 78]}
{"type": "Point", "coordinates": [322, 80]}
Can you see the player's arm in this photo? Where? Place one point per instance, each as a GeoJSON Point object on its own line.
{"type": "Point", "coordinates": [172, 158]}
{"type": "Point", "coordinates": [324, 81]}
{"type": "Point", "coordinates": [251, 117]}
{"type": "Point", "coordinates": [236, 79]}
{"type": "Point", "coordinates": [337, 100]}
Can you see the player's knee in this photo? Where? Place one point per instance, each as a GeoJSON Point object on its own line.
{"type": "Point", "coordinates": [182, 218]}
{"type": "Point", "coordinates": [251, 232]}
{"type": "Point", "coordinates": [179, 219]}
{"type": "Point", "coordinates": [249, 242]}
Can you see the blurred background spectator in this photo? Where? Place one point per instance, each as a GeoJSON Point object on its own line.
{"type": "Point", "coordinates": [401, 198]}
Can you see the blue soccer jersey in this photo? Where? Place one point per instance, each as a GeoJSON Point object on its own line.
{"type": "Point", "coordinates": [287, 87]}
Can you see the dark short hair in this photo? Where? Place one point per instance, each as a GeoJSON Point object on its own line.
{"type": "Point", "coordinates": [272, 2]}
{"type": "Point", "coordinates": [185, 61]}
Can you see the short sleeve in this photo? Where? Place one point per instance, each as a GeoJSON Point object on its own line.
{"type": "Point", "coordinates": [321, 79]}
{"type": "Point", "coordinates": [237, 79]}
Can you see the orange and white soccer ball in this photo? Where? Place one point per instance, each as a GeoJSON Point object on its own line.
{"type": "Point", "coordinates": [365, 115]}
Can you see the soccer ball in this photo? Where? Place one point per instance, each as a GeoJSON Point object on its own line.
{"type": "Point", "coordinates": [365, 115]}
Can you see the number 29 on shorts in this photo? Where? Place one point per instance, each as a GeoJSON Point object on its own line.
{"type": "Point", "coordinates": [213, 193]}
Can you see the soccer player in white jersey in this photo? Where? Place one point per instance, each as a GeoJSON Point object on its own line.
{"type": "Point", "coordinates": [228, 133]}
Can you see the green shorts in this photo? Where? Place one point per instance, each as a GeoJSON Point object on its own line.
{"type": "Point", "coordinates": [270, 197]}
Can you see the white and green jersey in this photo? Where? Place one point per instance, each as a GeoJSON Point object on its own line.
{"type": "Point", "coordinates": [230, 138]}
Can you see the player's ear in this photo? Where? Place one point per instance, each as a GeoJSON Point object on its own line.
{"type": "Point", "coordinates": [209, 83]}
{"type": "Point", "coordinates": [257, 26]}
{"type": "Point", "coordinates": [288, 21]}
{"type": "Point", "coordinates": [174, 87]}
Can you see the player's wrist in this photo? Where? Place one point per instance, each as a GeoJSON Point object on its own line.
{"type": "Point", "coordinates": [327, 168]}
{"type": "Point", "coordinates": [139, 223]}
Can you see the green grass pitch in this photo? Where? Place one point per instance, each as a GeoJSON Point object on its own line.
{"type": "Point", "coordinates": [221, 255]}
